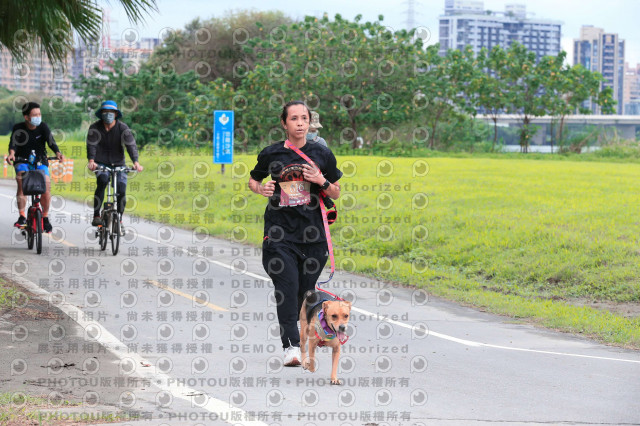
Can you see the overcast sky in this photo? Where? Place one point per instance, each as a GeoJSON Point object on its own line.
{"type": "Point", "coordinates": [615, 16]}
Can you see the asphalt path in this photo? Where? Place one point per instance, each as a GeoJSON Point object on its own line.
{"type": "Point", "coordinates": [195, 317]}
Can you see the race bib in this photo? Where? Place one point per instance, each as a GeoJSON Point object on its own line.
{"type": "Point", "coordinates": [295, 193]}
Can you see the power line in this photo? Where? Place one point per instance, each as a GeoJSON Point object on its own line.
{"type": "Point", "coordinates": [411, 13]}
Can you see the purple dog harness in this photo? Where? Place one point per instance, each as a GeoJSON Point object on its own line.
{"type": "Point", "coordinates": [324, 333]}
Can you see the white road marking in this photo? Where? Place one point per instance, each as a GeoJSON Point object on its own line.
{"type": "Point", "coordinates": [215, 262]}
{"type": "Point", "coordinates": [222, 409]}
{"type": "Point", "coordinates": [488, 345]}
{"type": "Point", "coordinates": [464, 342]}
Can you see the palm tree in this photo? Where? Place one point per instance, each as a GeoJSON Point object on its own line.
{"type": "Point", "coordinates": [49, 24]}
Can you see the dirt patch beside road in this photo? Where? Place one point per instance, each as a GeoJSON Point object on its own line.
{"type": "Point", "coordinates": [51, 373]}
{"type": "Point", "coordinates": [626, 309]}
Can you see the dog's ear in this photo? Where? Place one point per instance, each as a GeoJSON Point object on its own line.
{"type": "Point", "coordinates": [325, 306]}
{"type": "Point", "coordinates": [344, 302]}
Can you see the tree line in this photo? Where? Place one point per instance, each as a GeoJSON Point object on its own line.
{"type": "Point", "coordinates": [364, 79]}
{"type": "Point", "coordinates": [62, 115]}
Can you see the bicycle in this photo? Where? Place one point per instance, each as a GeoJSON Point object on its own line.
{"type": "Point", "coordinates": [110, 228]}
{"type": "Point", "coordinates": [32, 230]}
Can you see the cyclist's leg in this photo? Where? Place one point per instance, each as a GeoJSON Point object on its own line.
{"type": "Point", "coordinates": [45, 199]}
{"type": "Point", "coordinates": [122, 192]}
{"type": "Point", "coordinates": [102, 180]}
{"type": "Point", "coordinates": [21, 199]}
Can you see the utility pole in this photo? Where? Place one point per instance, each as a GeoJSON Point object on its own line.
{"type": "Point", "coordinates": [411, 14]}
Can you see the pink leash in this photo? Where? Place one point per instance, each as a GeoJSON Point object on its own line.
{"type": "Point", "coordinates": [323, 209]}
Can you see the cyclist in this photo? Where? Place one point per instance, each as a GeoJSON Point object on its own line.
{"type": "Point", "coordinates": [107, 139]}
{"type": "Point", "coordinates": [314, 126]}
{"type": "Point", "coordinates": [32, 135]}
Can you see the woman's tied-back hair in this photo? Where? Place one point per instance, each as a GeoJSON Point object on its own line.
{"type": "Point", "coordinates": [285, 110]}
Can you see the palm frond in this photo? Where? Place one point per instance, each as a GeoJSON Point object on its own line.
{"type": "Point", "coordinates": [137, 9]}
{"type": "Point", "coordinates": [48, 25]}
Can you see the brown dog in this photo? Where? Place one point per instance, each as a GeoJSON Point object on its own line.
{"type": "Point", "coordinates": [323, 322]}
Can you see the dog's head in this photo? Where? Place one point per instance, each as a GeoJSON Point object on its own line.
{"type": "Point", "coordinates": [337, 314]}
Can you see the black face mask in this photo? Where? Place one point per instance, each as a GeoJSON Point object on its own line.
{"type": "Point", "coordinates": [108, 117]}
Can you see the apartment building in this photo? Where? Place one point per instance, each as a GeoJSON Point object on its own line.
{"type": "Point", "coordinates": [36, 74]}
{"type": "Point", "coordinates": [603, 52]}
{"type": "Point", "coordinates": [631, 98]}
{"type": "Point", "coordinates": [467, 23]}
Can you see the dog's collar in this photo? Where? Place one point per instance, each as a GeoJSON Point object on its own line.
{"type": "Point", "coordinates": [324, 332]}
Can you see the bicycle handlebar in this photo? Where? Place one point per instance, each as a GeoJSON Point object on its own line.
{"type": "Point", "coordinates": [26, 160]}
{"type": "Point", "coordinates": [114, 169]}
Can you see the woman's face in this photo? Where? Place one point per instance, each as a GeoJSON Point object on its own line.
{"type": "Point", "coordinates": [297, 122]}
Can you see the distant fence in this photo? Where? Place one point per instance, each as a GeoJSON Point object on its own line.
{"type": "Point", "coordinates": [621, 126]}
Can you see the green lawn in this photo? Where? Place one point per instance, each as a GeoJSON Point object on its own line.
{"type": "Point", "coordinates": [517, 237]}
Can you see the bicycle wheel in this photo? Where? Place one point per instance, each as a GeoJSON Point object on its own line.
{"type": "Point", "coordinates": [103, 231]}
{"type": "Point", "coordinates": [115, 233]}
{"type": "Point", "coordinates": [29, 228]}
{"type": "Point", "coordinates": [38, 231]}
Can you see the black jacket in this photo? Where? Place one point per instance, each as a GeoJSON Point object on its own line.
{"type": "Point", "coordinates": [108, 147]}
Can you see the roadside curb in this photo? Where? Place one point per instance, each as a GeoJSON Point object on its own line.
{"type": "Point", "coordinates": [49, 357]}
{"type": "Point", "coordinates": [139, 384]}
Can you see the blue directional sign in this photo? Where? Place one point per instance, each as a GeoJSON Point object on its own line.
{"type": "Point", "coordinates": [223, 137]}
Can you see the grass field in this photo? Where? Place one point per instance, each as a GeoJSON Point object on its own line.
{"type": "Point", "coordinates": [530, 239]}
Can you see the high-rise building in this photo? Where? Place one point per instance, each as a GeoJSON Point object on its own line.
{"type": "Point", "coordinates": [604, 53]}
{"type": "Point", "coordinates": [136, 51]}
{"type": "Point", "coordinates": [452, 7]}
{"type": "Point", "coordinates": [36, 75]}
{"type": "Point", "coordinates": [465, 22]}
{"type": "Point", "coordinates": [631, 98]}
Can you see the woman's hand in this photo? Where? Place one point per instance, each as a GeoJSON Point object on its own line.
{"type": "Point", "coordinates": [268, 188]}
{"type": "Point", "coordinates": [312, 174]}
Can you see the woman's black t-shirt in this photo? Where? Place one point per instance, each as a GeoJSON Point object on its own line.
{"type": "Point", "coordinates": [294, 215]}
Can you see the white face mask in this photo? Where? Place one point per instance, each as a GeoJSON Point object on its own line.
{"type": "Point", "coordinates": [35, 121]}
{"type": "Point", "coordinates": [312, 135]}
